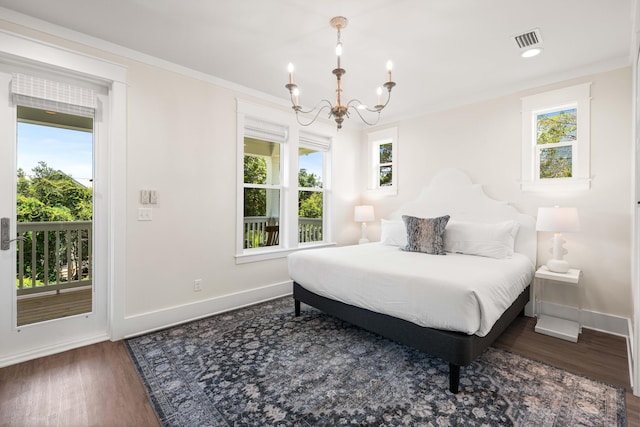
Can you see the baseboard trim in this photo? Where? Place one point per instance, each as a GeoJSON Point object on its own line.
{"type": "Point", "coordinates": [50, 350]}
{"type": "Point", "coordinates": [602, 322]}
{"type": "Point", "coordinates": [149, 322]}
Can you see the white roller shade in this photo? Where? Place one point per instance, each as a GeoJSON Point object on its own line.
{"type": "Point", "coordinates": [315, 141]}
{"type": "Point", "coordinates": [45, 94]}
{"type": "Point", "coordinates": [265, 131]}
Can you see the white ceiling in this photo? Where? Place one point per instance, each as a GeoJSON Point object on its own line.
{"type": "Point", "coordinates": [445, 52]}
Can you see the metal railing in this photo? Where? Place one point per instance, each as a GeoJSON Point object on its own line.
{"type": "Point", "coordinates": [53, 256]}
{"type": "Point", "coordinates": [255, 235]}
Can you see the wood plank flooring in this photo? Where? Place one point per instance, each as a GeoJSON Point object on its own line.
{"type": "Point", "coordinates": [97, 385]}
{"type": "Point", "coordinates": [47, 307]}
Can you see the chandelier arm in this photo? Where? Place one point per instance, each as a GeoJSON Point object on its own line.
{"type": "Point", "coordinates": [315, 116]}
{"type": "Point", "coordinates": [364, 120]}
{"type": "Point", "coordinates": [298, 109]}
{"type": "Point", "coordinates": [371, 110]}
{"type": "Point", "coordinates": [388, 99]}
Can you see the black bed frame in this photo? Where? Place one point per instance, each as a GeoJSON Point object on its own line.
{"type": "Point", "coordinates": [457, 348]}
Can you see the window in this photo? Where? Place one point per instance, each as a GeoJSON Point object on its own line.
{"type": "Point", "coordinates": [261, 192]}
{"type": "Point", "coordinates": [283, 184]}
{"type": "Point", "coordinates": [310, 195]}
{"type": "Point", "coordinates": [555, 139]}
{"type": "Point", "coordinates": [383, 152]}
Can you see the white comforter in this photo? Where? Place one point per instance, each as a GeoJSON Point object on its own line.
{"type": "Point", "coordinates": [454, 292]}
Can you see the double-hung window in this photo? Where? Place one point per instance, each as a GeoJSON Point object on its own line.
{"type": "Point", "coordinates": [283, 184]}
{"type": "Point", "coordinates": [555, 139]}
{"type": "Point", "coordinates": [383, 154]}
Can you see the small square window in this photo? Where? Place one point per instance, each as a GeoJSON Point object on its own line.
{"type": "Point", "coordinates": [383, 149]}
{"type": "Point", "coordinates": [555, 139]}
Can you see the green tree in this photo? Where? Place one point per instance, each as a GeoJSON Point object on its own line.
{"type": "Point", "coordinates": [554, 128]}
{"type": "Point", "coordinates": [308, 180]}
{"type": "Point", "coordinates": [309, 202]}
{"type": "Point", "coordinates": [558, 127]}
{"type": "Point", "coordinates": [50, 195]}
{"type": "Point", "coordinates": [255, 199]}
{"type": "Point", "coordinates": [60, 197]}
{"type": "Point", "coordinates": [310, 206]}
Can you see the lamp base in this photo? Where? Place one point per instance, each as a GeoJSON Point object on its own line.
{"type": "Point", "coordinates": [558, 266]}
{"type": "Point", "coordinates": [362, 241]}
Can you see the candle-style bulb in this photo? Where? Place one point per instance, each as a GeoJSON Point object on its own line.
{"type": "Point", "coordinates": [290, 69]}
{"type": "Point", "coordinates": [296, 94]}
{"type": "Point", "coordinates": [389, 65]}
{"type": "Point", "coordinates": [339, 49]}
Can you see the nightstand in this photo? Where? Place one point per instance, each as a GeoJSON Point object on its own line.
{"type": "Point", "coordinates": [554, 326]}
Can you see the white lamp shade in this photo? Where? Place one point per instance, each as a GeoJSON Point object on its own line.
{"type": "Point", "coordinates": [558, 219]}
{"type": "Point", "coordinates": [364, 213]}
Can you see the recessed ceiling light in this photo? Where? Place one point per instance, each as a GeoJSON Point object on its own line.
{"type": "Point", "coordinates": [529, 53]}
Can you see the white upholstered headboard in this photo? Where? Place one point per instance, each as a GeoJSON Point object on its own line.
{"type": "Point", "coordinates": [451, 192]}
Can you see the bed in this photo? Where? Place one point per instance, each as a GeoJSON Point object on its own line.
{"type": "Point", "coordinates": [451, 306]}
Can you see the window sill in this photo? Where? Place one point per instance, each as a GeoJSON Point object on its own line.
{"type": "Point", "coordinates": [265, 254]}
{"type": "Point", "coordinates": [557, 184]}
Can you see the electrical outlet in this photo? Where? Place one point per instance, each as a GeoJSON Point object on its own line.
{"type": "Point", "coordinates": [197, 285]}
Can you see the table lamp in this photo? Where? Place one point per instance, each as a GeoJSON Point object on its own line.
{"type": "Point", "coordinates": [363, 214]}
{"type": "Point", "coordinates": [557, 220]}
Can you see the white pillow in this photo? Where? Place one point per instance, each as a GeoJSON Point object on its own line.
{"type": "Point", "coordinates": [393, 233]}
{"type": "Point", "coordinates": [489, 240]}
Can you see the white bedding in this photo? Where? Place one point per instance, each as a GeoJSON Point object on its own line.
{"type": "Point", "coordinates": [454, 292]}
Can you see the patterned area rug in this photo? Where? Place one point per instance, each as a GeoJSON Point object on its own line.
{"type": "Point", "coordinates": [263, 366]}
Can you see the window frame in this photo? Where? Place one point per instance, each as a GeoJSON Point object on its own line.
{"type": "Point", "coordinates": [577, 97]}
{"type": "Point", "coordinates": [375, 140]}
{"type": "Point", "coordinates": [271, 120]}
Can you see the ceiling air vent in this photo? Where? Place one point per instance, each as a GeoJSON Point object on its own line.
{"type": "Point", "coordinates": [529, 43]}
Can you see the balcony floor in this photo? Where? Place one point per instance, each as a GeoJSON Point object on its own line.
{"type": "Point", "coordinates": [47, 307]}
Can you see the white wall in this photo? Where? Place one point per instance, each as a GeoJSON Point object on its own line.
{"type": "Point", "coordinates": [181, 142]}
{"type": "Point", "coordinates": [484, 140]}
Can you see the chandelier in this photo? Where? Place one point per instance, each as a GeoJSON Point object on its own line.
{"type": "Point", "coordinates": [339, 110]}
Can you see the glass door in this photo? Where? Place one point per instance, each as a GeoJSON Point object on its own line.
{"type": "Point", "coordinates": [54, 215]}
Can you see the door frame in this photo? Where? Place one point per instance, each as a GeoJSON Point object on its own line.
{"type": "Point", "coordinates": [110, 241]}
{"type": "Point", "coordinates": [635, 209]}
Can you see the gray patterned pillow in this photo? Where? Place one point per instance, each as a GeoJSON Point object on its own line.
{"type": "Point", "coordinates": [425, 234]}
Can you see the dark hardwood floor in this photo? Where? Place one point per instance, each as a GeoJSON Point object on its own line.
{"type": "Point", "coordinates": [97, 385]}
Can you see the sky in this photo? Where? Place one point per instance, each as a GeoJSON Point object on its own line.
{"type": "Point", "coordinates": [70, 151]}
{"type": "Point", "coordinates": [312, 162]}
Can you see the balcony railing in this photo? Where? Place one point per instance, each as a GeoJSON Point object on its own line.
{"type": "Point", "coordinates": [53, 256]}
{"type": "Point", "coordinates": [255, 230]}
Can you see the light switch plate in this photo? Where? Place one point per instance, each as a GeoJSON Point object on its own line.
{"type": "Point", "coordinates": [153, 197]}
{"type": "Point", "coordinates": [145, 214]}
